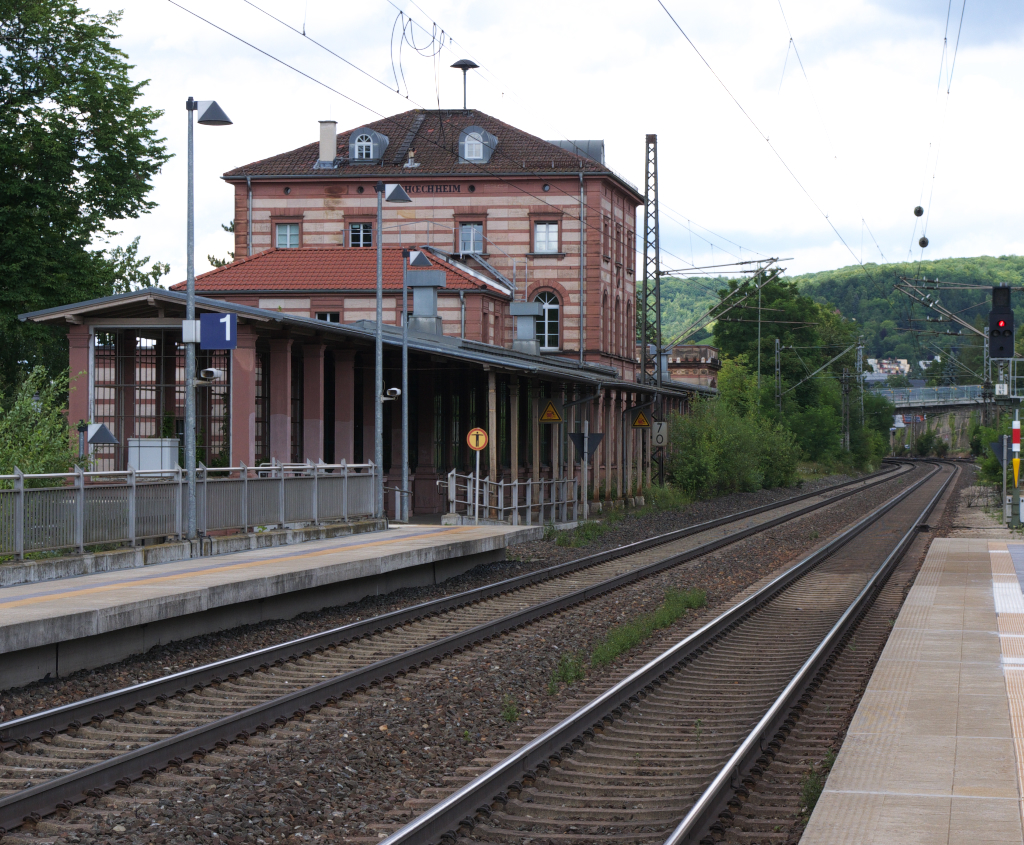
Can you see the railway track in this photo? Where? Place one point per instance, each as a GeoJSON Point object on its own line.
{"type": "Point", "coordinates": [55, 758]}
{"type": "Point", "coordinates": [658, 757]}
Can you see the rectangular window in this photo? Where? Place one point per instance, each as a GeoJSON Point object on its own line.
{"type": "Point", "coordinates": [545, 237]}
{"type": "Point", "coordinates": [329, 316]}
{"type": "Point", "coordinates": [471, 237]}
{"type": "Point", "coordinates": [360, 234]}
{"type": "Point", "coordinates": [287, 235]}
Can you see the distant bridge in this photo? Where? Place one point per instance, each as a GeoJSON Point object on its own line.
{"type": "Point", "coordinates": [923, 397]}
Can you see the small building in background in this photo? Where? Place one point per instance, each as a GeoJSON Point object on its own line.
{"type": "Point", "coordinates": [694, 364]}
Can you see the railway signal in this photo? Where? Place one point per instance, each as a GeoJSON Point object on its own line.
{"type": "Point", "coordinates": [1000, 324]}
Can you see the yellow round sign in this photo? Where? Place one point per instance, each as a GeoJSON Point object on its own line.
{"type": "Point", "coordinates": [477, 439]}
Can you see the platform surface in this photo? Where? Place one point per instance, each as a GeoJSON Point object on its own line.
{"type": "Point", "coordinates": [57, 611]}
{"type": "Point", "coordinates": [933, 753]}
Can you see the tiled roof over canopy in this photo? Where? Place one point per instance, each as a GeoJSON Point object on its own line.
{"type": "Point", "coordinates": [331, 268]}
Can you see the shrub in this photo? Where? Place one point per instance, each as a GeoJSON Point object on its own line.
{"type": "Point", "coordinates": [34, 432]}
{"type": "Point", "coordinates": [716, 450]}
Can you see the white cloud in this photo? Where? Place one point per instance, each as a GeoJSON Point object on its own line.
{"type": "Point", "coordinates": [608, 70]}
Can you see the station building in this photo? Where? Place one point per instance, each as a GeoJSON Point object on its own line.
{"type": "Point", "coordinates": [533, 291]}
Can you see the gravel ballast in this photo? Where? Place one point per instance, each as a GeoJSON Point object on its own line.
{"type": "Point", "coordinates": [335, 774]}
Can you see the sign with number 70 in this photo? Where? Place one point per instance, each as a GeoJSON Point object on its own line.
{"type": "Point", "coordinates": [218, 331]}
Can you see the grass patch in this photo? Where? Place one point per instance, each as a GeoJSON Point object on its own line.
{"type": "Point", "coordinates": [813, 782]}
{"type": "Point", "coordinates": [630, 635]}
{"type": "Point", "coordinates": [811, 785]}
{"type": "Point", "coordinates": [509, 709]}
{"type": "Point", "coordinates": [585, 532]}
{"type": "Point", "coordinates": [570, 668]}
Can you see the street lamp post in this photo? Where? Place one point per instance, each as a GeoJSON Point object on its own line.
{"type": "Point", "coordinates": [391, 193]}
{"type": "Point", "coordinates": [210, 114]}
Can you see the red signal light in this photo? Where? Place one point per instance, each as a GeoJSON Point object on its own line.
{"type": "Point", "coordinates": [1002, 324]}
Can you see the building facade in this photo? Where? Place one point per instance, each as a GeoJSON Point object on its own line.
{"type": "Point", "coordinates": [551, 220]}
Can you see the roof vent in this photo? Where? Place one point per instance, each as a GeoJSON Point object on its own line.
{"type": "Point", "coordinates": [411, 162]}
{"type": "Point", "coordinates": [328, 145]}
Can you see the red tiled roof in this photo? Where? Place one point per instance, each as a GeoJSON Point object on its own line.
{"type": "Point", "coordinates": [436, 141]}
{"type": "Point", "coordinates": [313, 268]}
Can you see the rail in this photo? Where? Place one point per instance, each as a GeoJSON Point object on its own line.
{"type": "Point", "coordinates": [458, 810]}
{"type": "Point", "coordinates": [73, 510]}
{"type": "Point", "coordinates": [44, 797]}
{"type": "Point", "coordinates": [517, 502]}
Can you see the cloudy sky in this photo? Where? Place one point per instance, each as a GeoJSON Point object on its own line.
{"type": "Point", "coordinates": [765, 146]}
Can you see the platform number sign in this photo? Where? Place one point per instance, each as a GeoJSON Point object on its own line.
{"type": "Point", "coordinates": [218, 331]}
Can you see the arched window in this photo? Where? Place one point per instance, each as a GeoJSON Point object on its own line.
{"type": "Point", "coordinates": [605, 324]}
{"type": "Point", "coordinates": [617, 328]}
{"type": "Point", "coordinates": [547, 322]}
{"type": "Point", "coordinates": [474, 146]}
{"type": "Point", "coordinates": [364, 147]}
{"type": "Point", "coordinates": [630, 333]}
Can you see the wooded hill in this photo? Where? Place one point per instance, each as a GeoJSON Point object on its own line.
{"type": "Point", "coordinates": [865, 294]}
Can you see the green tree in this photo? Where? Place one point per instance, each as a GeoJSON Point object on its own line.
{"type": "Point", "coordinates": [77, 152]}
{"type": "Point", "coordinates": [220, 262]}
{"type": "Point", "coordinates": [34, 432]}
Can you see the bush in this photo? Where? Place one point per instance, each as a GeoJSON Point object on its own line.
{"type": "Point", "coordinates": [716, 450]}
{"type": "Point", "coordinates": [34, 432]}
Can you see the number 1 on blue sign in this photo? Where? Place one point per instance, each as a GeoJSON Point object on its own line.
{"type": "Point", "coordinates": [226, 320]}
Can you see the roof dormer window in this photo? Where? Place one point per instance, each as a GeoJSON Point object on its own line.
{"type": "Point", "coordinates": [364, 147]}
{"type": "Point", "coordinates": [476, 144]}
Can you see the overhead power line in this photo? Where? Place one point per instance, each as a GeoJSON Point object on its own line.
{"type": "Point", "coordinates": [757, 128]}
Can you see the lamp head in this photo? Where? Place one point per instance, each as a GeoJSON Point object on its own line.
{"type": "Point", "coordinates": [210, 114]}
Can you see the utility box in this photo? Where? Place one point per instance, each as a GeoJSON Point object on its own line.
{"type": "Point", "coordinates": [153, 454]}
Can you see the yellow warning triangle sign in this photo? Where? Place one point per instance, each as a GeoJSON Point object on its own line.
{"type": "Point", "coordinates": [641, 421]}
{"type": "Point", "coordinates": [550, 414]}
{"type": "Point", "coordinates": [1016, 472]}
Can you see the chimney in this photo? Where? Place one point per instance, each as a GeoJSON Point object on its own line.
{"type": "Point", "coordinates": [328, 143]}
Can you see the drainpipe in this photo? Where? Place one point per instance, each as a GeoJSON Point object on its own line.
{"type": "Point", "coordinates": [462, 304]}
{"type": "Point", "coordinates": [583, 293]}
{"type": "Point", "coordinates": [248, 218]}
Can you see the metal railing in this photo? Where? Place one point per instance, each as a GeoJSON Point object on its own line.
{"type": "Point", "coordinates": [914, 396]}
{"type": "Point", "coordinates": [73, 510]}
{"type": "Point", "coordinates": [516, 502]}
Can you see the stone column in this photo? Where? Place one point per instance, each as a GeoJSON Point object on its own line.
{"type": "Point", "coordinates": [368, 407]}
{"type": "Point", "coordinates": [281, 399]}
{"type": "Point", "coordinates": [344, 405]}
{"type": "Point", "coordinates": [492, 424]}
{"type": "Point", "coordinates": [513, 410]}
{"type": "Point", "coordinates": [618, 450]}
{"type": "Point", "coordinates": [313, 402]}
{"type": "Point", "coordinates": [78, 382]}
{"type": "Point", "coordinates": [535, 423]}
{"type": "Point", "coordinates": [243, 398]}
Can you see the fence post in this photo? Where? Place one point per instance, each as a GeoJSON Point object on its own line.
{"type": "Point", "coordinates": [131, 506]}
{"type": "Point", "coordinates": [19, 514]}
{"type": "Point", "coordinates": [177, 502]}
{"type": "Point", "coordinates": [280, 493]}
{"type": "Point", "coordinates": [316, 491]}
{"type": "Point", "coordinates": [501, 499]}
{"type": "Point", "coordinates": [344, 490]}
{"type": "Point", "coordinates": [452, 493]}
{"type": "Point", "coordinates": [79, 509]}
{"type": "Point", "coordinates": [514, 490]}
{"type": "Point", "coordinates": [245, 496]}
{"type": "Point", "coordinates": [575, 501]}
{"type": "Point", "coordinates": [206, 503]}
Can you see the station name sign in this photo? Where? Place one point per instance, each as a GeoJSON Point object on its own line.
{"type": "Point", "coordinates": [433, 189]}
